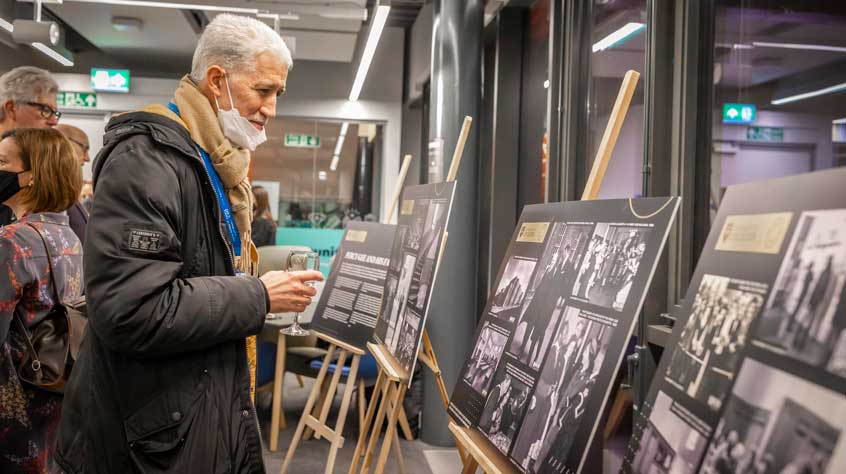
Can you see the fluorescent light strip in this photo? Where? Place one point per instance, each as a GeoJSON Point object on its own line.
{"type": "Point", "coordinates": [6, 25]}
{"type": "Point", "coordinates": [808, 95]}
{"type": "Point", "coordinates": [841, 121]}
{"type": "Point", "coordinates": [812, 47]}
{"type": "Point", "coordinates": [53, 54]}
{"type": "Point", "coordinates": [369, 49]}
{"type": "Point", "coordinates": [620, 36]}
{"type": "Point", "coordinates": [336, 156]}
{"type": "Point", "coordinates": [334, 165]}
{"type": "Point", "coordinates": [175, 6]}
{"type": "Point", "coordinates": [279, 16]}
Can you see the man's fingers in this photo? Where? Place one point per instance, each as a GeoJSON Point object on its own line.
{"type": "Point", "coordinates": [308, 275]}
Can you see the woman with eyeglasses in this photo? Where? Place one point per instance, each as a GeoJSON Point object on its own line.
{"type": "Point", "coordinates": [39, 179]}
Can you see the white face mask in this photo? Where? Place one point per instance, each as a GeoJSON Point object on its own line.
{"type": "Point", "coordinates": [236, 128]}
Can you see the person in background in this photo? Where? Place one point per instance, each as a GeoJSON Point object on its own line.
{"type": "Point", "coordinates": [27, 100]}
{"type": "Point", "coordinates": [39, 183]}
{"type": "Point", "coordinates": [86, 194]}
{"type": "Point", "coordinates": [77, 213]}
{"type": "Point", "coordinates": [163, 380]}
{"type": "Point", "coordinates": [264, 227]}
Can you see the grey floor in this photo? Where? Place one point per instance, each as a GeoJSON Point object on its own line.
{"type": "Point", "coordinates": [311, 455]}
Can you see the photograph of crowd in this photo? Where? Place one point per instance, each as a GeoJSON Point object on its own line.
{"type": "Point", "coordinates": [418, 224]}
{"type": "Point", "coordinates": [562, 391]}
{"type": "Point", "coordinates": [508, 297]}
{"type": "Point", "coordinates": [397, 305]}
{"type": "Point", "coordinates": [706, 356]}
{"type": "Point", "coordinates": [402, 235]}
{"type": "Point", "coordinates": [610, 264]}
{"type": "Point", "coordinates": [777, 423]}
{"type": "Point", "coordinates": [670, 444]}
{"type": "Point", "coordinates": [408, 337]}
{"type": "Point", "coordinates": [805, 316]}
{"type": "Point", "coordinates": [504, 410]}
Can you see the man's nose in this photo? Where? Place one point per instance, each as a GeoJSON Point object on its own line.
{"type": "Point", "coordinates": [268, 108]}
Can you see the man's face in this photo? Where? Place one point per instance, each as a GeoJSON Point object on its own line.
{"type": "Point", "coordinates": [38, 113]}
{"type": "Point", "coordinates": [255, 92]}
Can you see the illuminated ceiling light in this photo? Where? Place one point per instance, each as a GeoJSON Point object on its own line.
{"type": "Point", "coordinates": [369, 49]}
{"type": "Point", "coordinates": [336, 156]}
{"type": "Point", "coordinates": [546, 84]}
{"type": "Point", "coordinates": [734, 45]}
{"type": "Point", "coordinates": [6, 26]}
{"type": "Point", "coordinates": [321, 175]}
{"type": "Point", "coordinates": [808, 95]}
{"type": "Point", "coordinates": [334, 165]}
{"type": "Point", "coordinates": [812, 47]}
{"type": "Point", "coordinates": [841, 121]}
{"type": "Point", "coordinates": [174, 6]}
{"type": "Point", "coordinates": [620, 36]}
{"type": "Point", "coordinates": [53, 54]}
{"type": "Point", "coordinates": [279, 16]}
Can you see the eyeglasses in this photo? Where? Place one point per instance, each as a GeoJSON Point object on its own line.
{"type": "Point", "coordinates": [45, 110]}
{"type": "Point", "coordinates": [83, 145]}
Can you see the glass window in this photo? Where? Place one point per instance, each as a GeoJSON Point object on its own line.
{"type": "Point", "coordinates": [779, 90]}
{"type": "Point", "coordinates": [618, 44]}
{"type": "Point", "coordinates": [312, 181]}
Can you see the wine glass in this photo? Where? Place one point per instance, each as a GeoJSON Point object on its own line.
{"type": "Point", "coordinates": [300, 261]}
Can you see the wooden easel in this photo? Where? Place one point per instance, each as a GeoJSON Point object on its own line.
{"type": "Point", "coordinates": [479, 452]}
{"type": "Point", "coordinates": [322, 394]}
{"type": "Point", "coordinates": [393, 380]}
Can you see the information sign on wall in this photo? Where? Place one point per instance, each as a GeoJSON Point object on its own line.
{"type": "Point", "coordinates": [85, 100]}
{"type": "Point", "coordinates": [765, 134]}
{"type": "Point", "coordinates": [299, 140]}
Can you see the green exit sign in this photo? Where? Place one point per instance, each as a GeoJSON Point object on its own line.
{"type": "Point", "coordinates": [110, 80]}
{"type": "Point", "coordinates": [299, 140]}
{"type": "Point", "coordinates": [738, 113]}
{"type": "Point", "coordinates": [84, 100]}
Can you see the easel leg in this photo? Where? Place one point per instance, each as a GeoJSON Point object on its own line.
{"type": "Point", "coordinates": [376, 428]}
{"type": "Point", "coordinates": [403, 422]}
{"type": "Point", "coordinates": [300, 381]}
{"type": "Point", "coordinates": [312, 398]}
{"type": "Point", "coordinates": [277, 417]}
{"type": "Point", "coordinates": [398, 451]}
{"type": "Point", "coordinates": [362, 400]}
{"type": "Point", "coordinates": [470, 466]}
{"type": "Point", "coordinates": [391, 432]}
{"type": "Point", "coordinates": [371, 411]}
{"type": "Point", "coordinates": [318, 407]}
{"type": "Point", "coordinates": [333, 386]}
{"type": "Point", "coordinates": [342, 414]}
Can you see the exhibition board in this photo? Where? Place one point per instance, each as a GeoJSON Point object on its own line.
{"type": "Point", "coordinates": [349, 304]}
{"type": "Point", "coordinates": [556, 327]}
{"type": "Point", "coordinates": [754, 378]}
{"type": "Point", "coordinates": [421, 226]}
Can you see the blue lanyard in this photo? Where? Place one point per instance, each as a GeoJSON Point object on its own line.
{"type": "Point", "coordinates": [222, 200]}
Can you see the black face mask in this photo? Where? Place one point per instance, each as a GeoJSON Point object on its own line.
{"type": "Point", "coordinates": [9, 184]}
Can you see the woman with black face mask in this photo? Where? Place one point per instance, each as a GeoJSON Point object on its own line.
{"type": "Point", "coordinates": [40, 262]}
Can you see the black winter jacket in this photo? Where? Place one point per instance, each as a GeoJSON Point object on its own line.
{"type": "Point", "coordinates": [162, 383]}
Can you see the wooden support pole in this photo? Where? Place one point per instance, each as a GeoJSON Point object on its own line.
{"type": "Point", "coordinates": [609, 138]}
{"type": "Point", "coordinates": [406, 163]}
{"type": "Point", "coordinates": [459, 148]}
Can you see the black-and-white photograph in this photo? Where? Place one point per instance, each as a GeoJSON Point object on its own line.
{"type": "Point", "coordinates": [533, 335]}
{"type": "Point", "coordinates": [409, 333]}
{"type": "Point", "coordinates": [777, 423]}
{"type": "Point", "coordinates": [561, 393]}
{"type": "Point", "coordinates": [670, 444]}
{"type": "Point", "coordinates": [611, 264]}
{"type": "Point", "coordinates": [418, 224]}
{"type": "Point", "coordinates": [508, 298]}
{"type": "Point", "coordinates": [705, 359]}
{"type": "Point", "coordinates": [504, 410]}
{"type": "Point", "coordinates": [427, 253]}
{"type": "Point", "coordinates": [402, 235]}
{"type": "Point", "coordinates": [485, 359]}
{"type": "Point", "coordinates": [804, 317]}
{"type": "Point", "coordinates": [399, 302]}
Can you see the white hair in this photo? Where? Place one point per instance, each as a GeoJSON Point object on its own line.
{"type": "Point", "coordinates": [232, 41]}
{"type": "Point", "coordinates": [26, 84]}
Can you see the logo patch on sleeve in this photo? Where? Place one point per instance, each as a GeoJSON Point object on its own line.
{"type": "Point", "coordinates": [145, 240]}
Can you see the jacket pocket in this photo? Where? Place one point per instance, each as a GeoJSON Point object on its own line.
{"type": "Point", "coordinates": [158, 432]}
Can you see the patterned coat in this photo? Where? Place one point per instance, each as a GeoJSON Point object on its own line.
{"type": "Point", "coordinates": [29, 417]}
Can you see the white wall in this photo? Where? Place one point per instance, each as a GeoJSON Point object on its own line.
{"type": "Point", "coordinates": [624, 177]}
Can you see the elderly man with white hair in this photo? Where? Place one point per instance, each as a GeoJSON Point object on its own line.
{"type": "Point", "coordinates": [163, 380]}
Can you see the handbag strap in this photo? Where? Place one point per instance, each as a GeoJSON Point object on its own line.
{"type": "Point", "coordinates": [36, 362]}
{"type": "Point", "coordinates": [59, 299]}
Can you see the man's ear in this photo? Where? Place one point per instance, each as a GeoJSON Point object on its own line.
{"type": "Point", "coordinates": [215, 76]}
{"type": "Point", "coordinates": [9, 109]}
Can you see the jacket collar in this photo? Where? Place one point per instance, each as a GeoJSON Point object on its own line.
{"type": "Point", "coordinates": [57, 218]}
{"type": "Point", "coordinates": [160, 128]}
